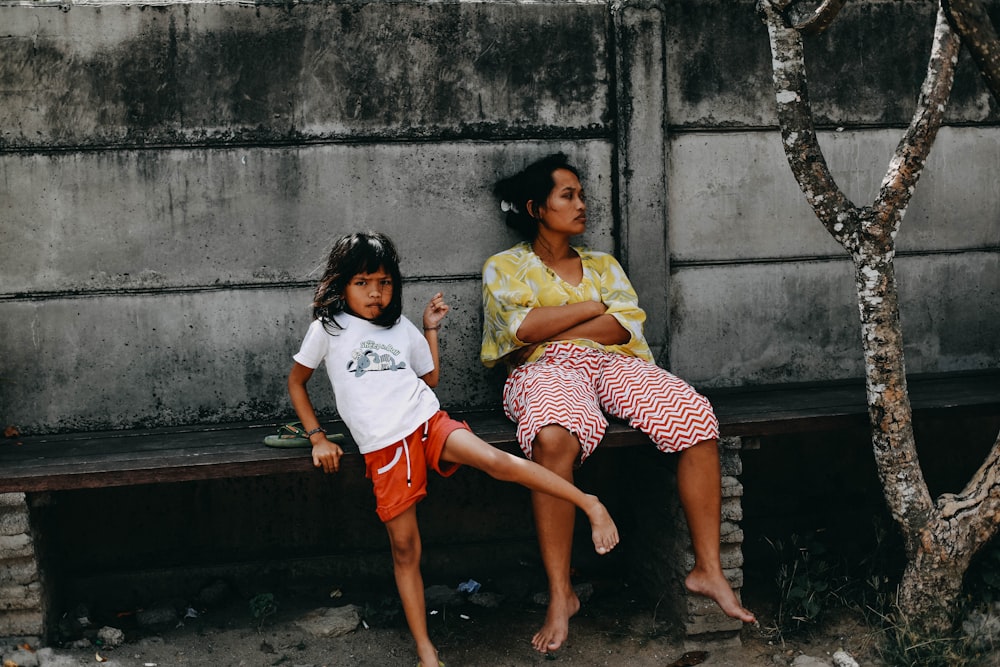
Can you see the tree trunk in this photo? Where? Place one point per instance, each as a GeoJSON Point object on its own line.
{"type": "Point", "coordinates": [939, 540]}
{"type": "Point", "coordinates": [957, 529]}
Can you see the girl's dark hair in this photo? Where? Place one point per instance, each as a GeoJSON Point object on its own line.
{"type": "Point", "coordinates": [362, 252]}
{"type": "Point", "coordinates": [534, 183]}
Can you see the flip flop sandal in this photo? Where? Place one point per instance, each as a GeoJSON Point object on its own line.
{"type": "Point", "coordinates": [289, 435]}
{"type": "Point", "coordinates": [293, 435]}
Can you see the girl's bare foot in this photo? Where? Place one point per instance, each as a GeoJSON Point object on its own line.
{"type": "Point", "coordinates": [427, 655]}
{"type": "Point", "coordinates": [556, 628]}
{"type": "Point", "coordinates": [604, 532]}
{"type": "Point", "coordinates": [715, 586]}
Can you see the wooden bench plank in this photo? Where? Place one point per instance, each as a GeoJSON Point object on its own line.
{"type": "Point", "coordinates": [792, 408]}
{"type": "Point", "coordinates": [190, 453]}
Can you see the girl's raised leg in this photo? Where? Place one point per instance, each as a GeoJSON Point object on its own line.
{"type": "Point", "coordinates": [465, 448]}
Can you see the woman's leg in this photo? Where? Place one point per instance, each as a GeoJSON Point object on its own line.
{"type": "Point", "coordinates": [674, 416]}
{"type": "Point", "coordinates": [404, 540]}
{"type": "Point", "coordinates": [465, 448]}
{"type": "Point", "coordinates": [699, 485]}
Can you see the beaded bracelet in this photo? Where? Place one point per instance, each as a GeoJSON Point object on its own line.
{"type": "Point", "coordinates": [318, 429]}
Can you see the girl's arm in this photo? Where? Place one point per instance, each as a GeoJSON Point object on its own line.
{"type": "Point", "coordinates": [326, 454]}
{"type": "Point", "coordinates": [433, 314]}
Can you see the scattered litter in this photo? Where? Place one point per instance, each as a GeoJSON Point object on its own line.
{"type": "Point", "coordinates": [336, 593]}
{"type": "Point", "coordinates": [109, 637]}
{"type": "Point", "coordinates": [844, 659]}
{"type": "Point", "coordinates": [463, 617]}
{"type": "Point", "coordinates": [191, 613]}
{"type": "Point", "coordinates": [364, 623]}
{"type": "Point", "coordinates": [434, 612]}
{"type": "Point", "coordinates": [98, 658]}
{"type": "Point", "coordinates": [470, 586]}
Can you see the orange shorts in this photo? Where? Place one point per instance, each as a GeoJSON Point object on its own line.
{"type": "Point", "coordinates": [399, 472]}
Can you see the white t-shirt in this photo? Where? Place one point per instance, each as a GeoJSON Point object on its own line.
{"type": "Point", "coordinates": [375, 372]}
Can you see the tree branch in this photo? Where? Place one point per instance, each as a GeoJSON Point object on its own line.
{"type": "Point", "coordinates": [821, 18]}
{"type": "Point", "coordinates": [805, 157]}
{"type": "Point", "coordinates": [913, 148]}
{"type": "Point", "coordinates": [969, 19]}
{"type": "Point", "coordinates": [976, 510]}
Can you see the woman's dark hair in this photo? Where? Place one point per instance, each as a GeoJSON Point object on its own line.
{"type": "Point", "coordinates": [362, 252]}
{"type": "Point", "coordinates": [534, 183]}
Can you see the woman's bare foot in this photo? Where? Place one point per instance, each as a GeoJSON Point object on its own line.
{"type": "Point", "coordinates": [556, 628]}
{"type": "Point", "coordinates": [716, 587]}
{"type": "Point", "coordinates": [604, 532]}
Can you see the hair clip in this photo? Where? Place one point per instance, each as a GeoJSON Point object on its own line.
{"type": "Point", "coordinates": [506, 206]}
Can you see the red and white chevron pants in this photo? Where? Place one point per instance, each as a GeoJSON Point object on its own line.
{"type": "Point", "coordinates": [573, 386]}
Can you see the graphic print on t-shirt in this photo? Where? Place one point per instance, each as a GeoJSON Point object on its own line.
{"type": "Point", "coordinates": [371, 356]}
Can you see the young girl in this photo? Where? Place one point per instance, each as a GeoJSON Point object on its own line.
{"type": "Point", "coordinates": [382, 370]}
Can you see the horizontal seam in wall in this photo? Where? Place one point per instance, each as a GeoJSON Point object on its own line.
{"type": "Point", "coordinates": [194, 289]}
{"type": "Point", "coordinates": [678, 264]}
{"type": "Point", "coordinates": [742, 128]}
{"type": "Point", "coordinates": [472, 136]}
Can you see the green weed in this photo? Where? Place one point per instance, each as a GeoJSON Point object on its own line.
{"type": "Point", "coordinates": [808, 582]}
{"type": "Point", "coordinates": [262, 607]}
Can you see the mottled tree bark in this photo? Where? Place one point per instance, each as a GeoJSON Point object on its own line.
{"type": "Point", "coordinates": [969, 19]}
{"type": "Point", "coordinates": [939, 540]}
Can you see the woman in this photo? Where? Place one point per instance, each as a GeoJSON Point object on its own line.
{"type": "Point", "coordinates": [566, 322]}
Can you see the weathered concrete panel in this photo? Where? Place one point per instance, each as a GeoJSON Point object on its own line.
{"type": "Point", "coordinates": [798, 321]}
{"type": "Point", "coordinates": [199, 356]}
{"type": "Point", "coordinates": [866, 69]}
{"type": "Point", "coordinates": [196, 73]}
{"type": "Point", "coordinates": [641, 153]}
{"type": "Point", "coordinates": [79, 222]}
{"type": "Point", "coordinates": [733, 197]}
{"type": "Point", "coordinates": [950, 311]}
{"type": "Point", "coordinates": [762, 323]}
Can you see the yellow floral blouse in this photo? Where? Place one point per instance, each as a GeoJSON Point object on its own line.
{"type": "Point", "coordinates": [516, 280]}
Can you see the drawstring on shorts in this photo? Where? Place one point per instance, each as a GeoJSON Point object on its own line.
{"type": "Point", "coordinates": [406, 450]}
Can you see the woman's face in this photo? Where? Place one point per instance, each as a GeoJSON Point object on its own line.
{"type": "Point", "coordinates": [565, 211]}
{"type": "Point", "coordinates": [368, 294]}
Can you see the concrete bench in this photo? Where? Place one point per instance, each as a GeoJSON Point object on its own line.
{"type": "Point", "coordinates": [71, 461]}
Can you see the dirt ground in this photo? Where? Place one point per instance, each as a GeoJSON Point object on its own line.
{"type": "Point", "coordinates": [611, 629]}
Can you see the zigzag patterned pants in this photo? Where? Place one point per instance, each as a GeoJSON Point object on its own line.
{"type": "Point", "coordinates": [573, 386]}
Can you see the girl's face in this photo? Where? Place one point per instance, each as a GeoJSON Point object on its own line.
{"type": "Point", "coordinates": [565, 210]}
{"type": "Point", "coordinates": [368, 294]}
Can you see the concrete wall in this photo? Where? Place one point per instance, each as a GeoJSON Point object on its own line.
{"type": "Point", "coordinates": [171, 178]}
{"type": "Point", "coordinates": [759, 292]}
